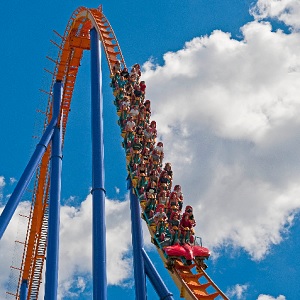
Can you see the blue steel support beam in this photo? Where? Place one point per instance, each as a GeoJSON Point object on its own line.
{"type": "Point", "coordinates": [26, 177]}
{"type": "Point", "coordinates": [137, 244]}
{"type": "Point", "coordinates": [51, 281]}
{"type": "Point", "coordinates": [98, 191]}
{"type": "Point", "coordinates": [155, 279]}
{"type": "Point", "coordinates": [24, 290]}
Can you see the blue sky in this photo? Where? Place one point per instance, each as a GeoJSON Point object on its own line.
{"type": "Point", "coordinates": [224, 85]}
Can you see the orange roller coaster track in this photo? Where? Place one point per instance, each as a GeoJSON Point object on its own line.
{"type": "Point", "coordinates": [75, 40]}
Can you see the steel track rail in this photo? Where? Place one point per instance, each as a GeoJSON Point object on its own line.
{"type": "Point", "coordinates": [74, 41]}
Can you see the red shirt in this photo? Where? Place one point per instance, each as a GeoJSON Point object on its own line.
{"type": "Point", "coordinates": [143, 87]}
{"type": "Point", "coordinates": [186, 223]}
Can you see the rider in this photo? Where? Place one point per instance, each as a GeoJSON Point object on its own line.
{"type": "Point", "coordinates": [189, 211]}
{"type": "Point", "coordinates": [186, 226]}
{"type": "Point", "coordinates": [174, 227]}
{"type": "Point", "coordinates": [160, 218]}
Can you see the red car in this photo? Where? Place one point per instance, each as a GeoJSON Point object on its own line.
{"type": "Point", "coordinates": [189, 252]}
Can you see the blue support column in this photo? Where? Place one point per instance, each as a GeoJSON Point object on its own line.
{"type": "Point", "coordinates": [155, 279]}
{"type": "Point", "coordinates": [137, 244]}
{"type": "Point", "coordinates": [51, 281]}
{"type": "Point", "coordinates": [26, 177]}
{"type": "Point", "coordinates": [98, 191]}
{"type": "Point", "coordinates": [24, 290]}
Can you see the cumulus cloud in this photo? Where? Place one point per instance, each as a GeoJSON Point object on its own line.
{"type": "Point", "coordinates": [2, 181]}
{"type": "Point", "coordinates": [75, 247]}
{"type": "Point", "coordinates": [268, 297]}
{"type": "Point", "coordinates": [287, 11]}
{"type": "Point", "coordinates": [227, 112]}
{"type": "Point", "coordinates": [237, 291]}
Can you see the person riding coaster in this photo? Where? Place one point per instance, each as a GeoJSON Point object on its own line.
{"type": "Point", "coordinates": [174, 224]}
{"type": "Point", "coordinates": [150, 206]}
{"type": "Point", "coordinates": [186, 228]}
{"type": "Point", "coordinates": [160, 219]}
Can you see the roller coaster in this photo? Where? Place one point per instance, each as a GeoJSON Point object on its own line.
{"type": "Point", "coordinates": [159, 204]}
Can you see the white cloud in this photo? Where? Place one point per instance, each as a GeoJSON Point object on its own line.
{"type": "Point", "coordinates": [268, 297]}
{"type": "Point", "coordinates": [215, 73]}
{"type": "Point", "coordinates": [76, 247]}
{"type": "Point", "coordinates": [117, 190]}
{"type": "Point", "coordinates": [2, 181]}
{"type": "Point", "coordinates": [227, 111]}
{"type": "Point", "coordinates": [237, 291]}
{"type": "Point", "coordinates": [71, 201]}
{"type": "Point", "coordinates": [287, 11]}
{"type": "Point", "coordinates": [12, 180]}
{"type": "Point", "coordinates": [11, 251]}
{"type": "Point", "coordinates": [76, 244]}
{"type": "Point", "coordinates": [2, 184]}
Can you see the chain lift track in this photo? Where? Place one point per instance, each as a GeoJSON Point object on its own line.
{"type": "Point", "coordinates": [75, 40]}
